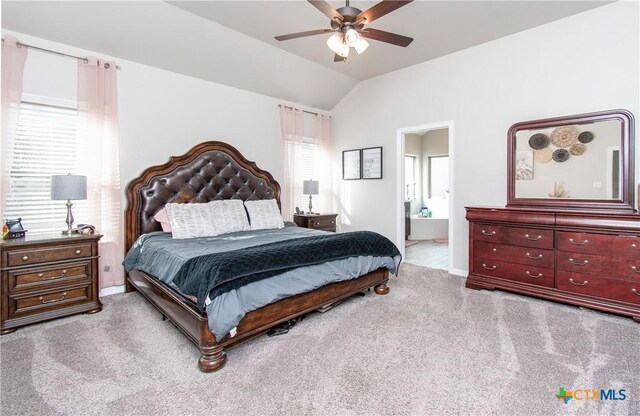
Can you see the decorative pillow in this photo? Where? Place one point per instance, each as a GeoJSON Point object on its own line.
{"type": "Point", "coordinates": [162, 217]}
{"type": "Point", "coordinates": [264, 214]}
{"type": "Point", "coordinates": [190, 220]}
{"type": "Point", "coordinates": [229, 216]}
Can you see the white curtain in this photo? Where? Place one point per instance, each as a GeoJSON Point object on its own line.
{"type": "Point", "coordinates": [13, 60]}
{"type": "Point", "coordinates": [98, 130]}
{"type": "Point", "coordinates": [322, 138]}
{"type": "Point", "coordinates": [292, 128]}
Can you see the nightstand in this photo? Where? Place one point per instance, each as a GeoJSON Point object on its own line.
{"type": "Point", "coordinates": [46, 277]}
{"type": "Point", "coordinates": [324, 222]}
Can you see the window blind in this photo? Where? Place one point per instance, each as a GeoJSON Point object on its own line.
{"type": "Point", "coordinates": [46, 144]}
{"type": "Point", "coordinates": [306, 167]}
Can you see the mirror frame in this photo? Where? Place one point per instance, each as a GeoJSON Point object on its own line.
{"type": "Point", "coordinates": [623, 205]}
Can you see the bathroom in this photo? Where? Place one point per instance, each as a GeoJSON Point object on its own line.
{"type": "Point", "coordinates": [427, 198]}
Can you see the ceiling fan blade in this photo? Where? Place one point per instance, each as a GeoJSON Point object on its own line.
{"type": "Point", "coordinates": [388, 37]}
{"type": "Point", "coordinates": [303, 34]}
{"type": "Point", "coordinates": [327, 9]}
{"type": "Point", "coordinates": [381, 9]}
{"type": "Point", "coordinates": [338, 58]}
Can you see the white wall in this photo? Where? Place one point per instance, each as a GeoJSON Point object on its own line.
{"type": "Point", "coordinates": [413, 147]}
{"type": "Point", "coordinates": [162, 113]}
{"type": "Point", "coordinates": [587, 62]}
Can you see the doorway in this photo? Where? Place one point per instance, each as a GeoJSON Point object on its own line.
{"type": "Point", "coordinates": [425, 194]}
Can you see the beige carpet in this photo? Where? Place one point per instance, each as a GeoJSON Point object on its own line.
{"type": "Point", "coordinates": [429, 347]}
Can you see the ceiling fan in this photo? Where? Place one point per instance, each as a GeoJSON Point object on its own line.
{"type": "Point", "coordinates": [347, 26]}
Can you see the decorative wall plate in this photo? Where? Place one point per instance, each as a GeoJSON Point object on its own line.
{"type": "Point", "coordinates": [560, 155]}
{"type": "Point", "coordinates": [542, 155]}
{"type": "Point", "coordinates": [585, 137]}
{"type": "Point", "coordinates": [577, 149]}
{"type": "Point", "coordinates": [564, 136]}
{"type": "Point", "coordinates": [539, 141]}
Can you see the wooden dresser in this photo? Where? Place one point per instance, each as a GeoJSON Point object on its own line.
{"type": "Point", "coordinates": [324, 222]}
{"type": "Point", "coordinates": [46, 277]}
{"type": "Point", "coordinates": [581, 258]}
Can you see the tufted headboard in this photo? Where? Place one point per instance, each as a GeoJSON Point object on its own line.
{"type": "Point", "coordinates": [210, 171]}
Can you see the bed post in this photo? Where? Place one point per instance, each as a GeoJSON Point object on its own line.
{"type": "Point", "coordinates": [381, 289]}
{"type": "Point", "coordinates": [212, 359]}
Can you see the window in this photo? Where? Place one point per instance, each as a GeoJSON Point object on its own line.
{"type": "Point", "coordinates": [305, 168]}
{"type": "Point", "coordinates": [439, 177]}
{"type": "Point", "coordinates": [46, 144]}
{"type": "Point", "coordinates": [410, 166]}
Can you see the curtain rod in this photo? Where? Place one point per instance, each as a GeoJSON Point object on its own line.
{"type": "Point", "coordinates": [82, 58]}
{"type": "Point", "coordinates": [304, 111]}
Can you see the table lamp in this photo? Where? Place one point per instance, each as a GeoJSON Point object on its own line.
{"type": "Point", "coordinates": [68, 187]}
{"type": "Point", "coordinates": [310, 187]}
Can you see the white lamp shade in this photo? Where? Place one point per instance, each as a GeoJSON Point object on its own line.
{"type": "Point", "coordinates": [351, 37]}
{"type": "Point", "coordinates": [361, 45]}
{"type": "Point", "coordinates": [72, 187]}
{"type": "Point", "coordinates": [310, 187]}
{"type": "Point", "coordinates": [335, 41]}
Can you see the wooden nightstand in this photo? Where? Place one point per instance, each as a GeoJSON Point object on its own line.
{"type": "Point", "coordinates": [46, 277]}
{"type": "Point", "coordinates": [324, 222]}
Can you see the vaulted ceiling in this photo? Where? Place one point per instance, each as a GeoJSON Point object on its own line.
{"type": "Point", "coordinates": [232, 42]}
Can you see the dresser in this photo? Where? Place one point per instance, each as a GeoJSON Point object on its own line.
{"type": "Point", "coordinates": [586, 259]}
{"type": "Point", "coordinates": [324, 222]}
{"type": "Point", "coordinates": [46, 277]}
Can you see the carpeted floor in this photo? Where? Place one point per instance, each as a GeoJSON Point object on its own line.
{"type": "Point", "coordinates": [429, 347]}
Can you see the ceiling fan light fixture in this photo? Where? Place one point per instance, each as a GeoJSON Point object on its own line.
{"type": "Point", "coordinates": [335, 42]}
{"type": "Point", "coordinates": [351, 37]}
{"type": "Point", "coordinates": [361, 45]}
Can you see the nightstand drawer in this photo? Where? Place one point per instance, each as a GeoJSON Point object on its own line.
{"type": "Point", "coordinates": [42, 255]}
{"type": "Point", "coordinates": [63, 297]}
{"type": "Point", "coordinates": [39, 278]}
{"type": "Point", "coordinates": [322, 223]}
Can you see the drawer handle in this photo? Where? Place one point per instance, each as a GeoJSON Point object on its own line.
{"type": "Point", "coordinates": [494, 249]}
{"type": "Point", "coordinates": [78, 251]}
{"type": "Point", "coordinates": [484, 232]}
{"type": "Point", "coordinates": [64, 295]}
{"type": "Point", "coordinates": [41, 276]}
{"type": "Point", "coordinates": [634, 245]}
{"type": "Point", "coordinates": [635, 269]}
{"type": "Point", "coordinates": [489, 268]}
{"type": "Point", "coordinates": [538, 257]}
{"type": "Point", "coordinates": [536, 238]}
{"type": "Point", "coordinates": [538, 276]}
{"type": "Point", "coordinates": [584, 243]}
{"type": "Point", "coordinates": [636, 291]}
{"type": "Point", "coordinates": [333, 222]}
{"type": "Point", "coordinates": [584, 263]}
{"type": "Point", "coordinates": [25, 258]}
{"type": "Point", "coordinates": [578, 284]}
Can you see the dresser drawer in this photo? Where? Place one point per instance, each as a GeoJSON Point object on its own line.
{"type": "Point", "coordinates": [594, 264]}
{"type": "Point", "coordinates": [541, 276]}
{"type": "Point", "coordinates": [39, 278]}
{"type": "Point", "coordinates": [602, 287]}
{"type": "Point", "coordinates": [514, 254]}
{"type": "Point", "coordinates": [614, 245]}
{"type": "Point", "coordinates": [526, 237]}
{"type": "Point", "coordinates": [25, 304]}
{"type": "Point", "coordinates": [49, 254]}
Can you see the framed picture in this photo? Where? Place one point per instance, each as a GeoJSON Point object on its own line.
{"type": "Point", "coordinates": [351, 166]}
{"type": "Point", "coordinates": [372, 163]}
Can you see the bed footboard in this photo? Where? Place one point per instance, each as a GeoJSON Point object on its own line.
{"type": "Point", "coordinates": [186, 317]}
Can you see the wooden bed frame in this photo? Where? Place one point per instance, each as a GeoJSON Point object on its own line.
{"type": "Point", "coordinates": [212, 171]}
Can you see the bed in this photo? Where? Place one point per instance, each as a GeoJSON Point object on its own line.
{"type": "Point", "coordinates": [213, 171]}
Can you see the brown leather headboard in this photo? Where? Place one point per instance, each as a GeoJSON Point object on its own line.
{"type": "Point", "coordinates": [210, 171]}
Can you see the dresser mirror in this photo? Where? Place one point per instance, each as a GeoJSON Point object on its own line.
{"type": "Point", "coordinates": [575, 162]}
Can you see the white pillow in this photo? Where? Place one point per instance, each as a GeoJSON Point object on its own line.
{"type": "Point", "coordinates": [229, 216]}
{"type": "Point", "coordinates": [190, 220]}
{"type": "Point", "coordinates": [264, 214]}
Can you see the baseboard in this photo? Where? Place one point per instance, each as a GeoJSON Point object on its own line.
{"type": "Point", "coordinates": [112, 290]}
{"type": "Point", "coordinates": [459, 272]}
